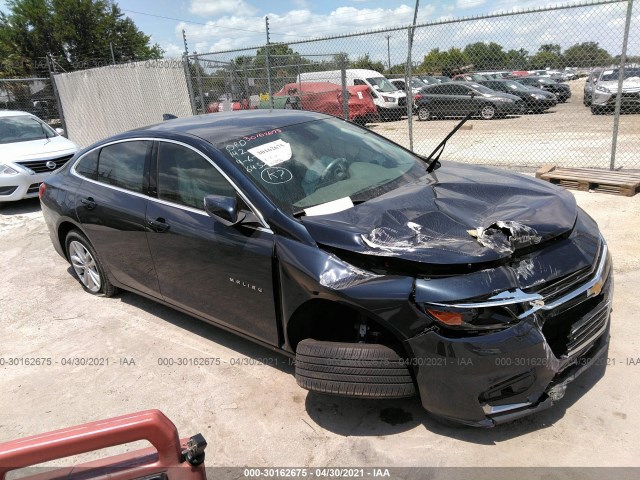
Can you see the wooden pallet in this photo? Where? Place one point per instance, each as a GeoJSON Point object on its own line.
{"type": "Point", "coordinates": [592, 179]}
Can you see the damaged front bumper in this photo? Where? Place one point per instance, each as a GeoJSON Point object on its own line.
{"type": "Point", "coordinates": [487, 379]}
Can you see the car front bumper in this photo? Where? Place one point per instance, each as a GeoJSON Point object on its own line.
{"type": "Point", "coordinates": [608, 99]}
{"type": "Point", "coordinates": [486, 380]}
{"type": "Point", "coordinates": [23, 185]}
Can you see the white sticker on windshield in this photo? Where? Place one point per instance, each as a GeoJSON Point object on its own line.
{"type": "Point", "coordinates": [272, 153]}
{"type": "Point", "coordinates": [334, 206]}
{"type": "Point", "coordinates": [607, 72]}
{"type": "Point", "coordinates": [360, 95]}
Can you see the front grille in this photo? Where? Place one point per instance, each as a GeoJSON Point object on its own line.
{"type": "Point", "coordinates": [573, 327]}
{"type": "Point", "coordinates": [559, 287]}
{"type": "Point", "coordinates": [584, 330]}
{"type": "Point", "coordinates": [33, 188]}
{"type": "Point", "coordinates": [40, 166]}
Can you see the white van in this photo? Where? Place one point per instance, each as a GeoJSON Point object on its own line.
{"type": "Point", "coordinates": [390, 102]}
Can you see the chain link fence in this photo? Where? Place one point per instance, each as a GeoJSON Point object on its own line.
{"type": "Point", "coordinates": [541, 86]}
{"type": "Point", "coordinates": [34, 95]}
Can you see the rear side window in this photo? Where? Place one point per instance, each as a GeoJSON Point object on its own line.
{"type": "Point", "coordinates": [88, 165]}
{"type": "Point", "coordinates": [186, 177]}
{"type": "Point", "coordinates": [357, 81]}
{"type": "Point", "coordinates": [122, 165]}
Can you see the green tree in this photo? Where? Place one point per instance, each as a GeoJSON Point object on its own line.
{"type": "Point", "coordinates": [486, 56]}
{"type": "Point", "coordinates": [368, 64]}
{"type": "Point", "coordinates": [76, 32]}
{"type": "Point", "coordinates": [587, 54]}
{"type": "Point", "coordinates": [447, 63]}
{"type": "Point", "coordinates": [517, 59]}
{"type": "Point", "coordinates": [548, 56]}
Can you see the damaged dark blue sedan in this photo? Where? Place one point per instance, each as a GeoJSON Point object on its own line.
{"type": "Point", "coordinates": [384, 273]}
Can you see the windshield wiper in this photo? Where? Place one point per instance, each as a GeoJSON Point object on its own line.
{"type": "Point", "coordinates": [431, 164]}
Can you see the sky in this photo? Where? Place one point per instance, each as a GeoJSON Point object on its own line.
{"type": "Point", "coordinates": [220, 25]}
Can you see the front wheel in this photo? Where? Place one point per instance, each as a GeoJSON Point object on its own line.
{"type": "Point", "coordinates": [487, 112]}
{"type": "Point", "coordinates": [424, 114]}
{"type": "Point", "coordinates": [86, 265]}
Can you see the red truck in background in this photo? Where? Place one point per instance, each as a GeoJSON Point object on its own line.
{"type": "Point", "coordinates": [170, 458]}
{"type": "Point", "coordinates": [325, 97]}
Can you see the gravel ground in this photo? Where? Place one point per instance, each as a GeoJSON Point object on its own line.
{"type": "Point", "coordinates": [253, 413]}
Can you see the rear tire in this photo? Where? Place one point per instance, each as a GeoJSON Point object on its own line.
{"type": "Point", "coordinates": [86, 265]}
{"type": "Point", "coordinates": [362, 370]}
{"type": "Point", "coordinates": [424, 114]}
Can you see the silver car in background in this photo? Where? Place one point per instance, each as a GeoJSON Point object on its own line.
{"type": "Point", "coordinates": [30, 151]}
{"type": "Point", "coordinates": [606, 90]}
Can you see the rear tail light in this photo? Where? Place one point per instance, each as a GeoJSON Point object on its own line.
{"type": "Point", "coordinates": [42, 189]}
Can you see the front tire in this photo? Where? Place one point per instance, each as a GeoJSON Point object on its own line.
{"type": "Point", "coordinates": [488, 112]}
{"type": "Point", "coordinates": [87, 266]}
{"type": "Point", "coordinates": [362, 370]}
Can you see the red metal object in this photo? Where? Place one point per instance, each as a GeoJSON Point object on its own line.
{"type": "Point", "coordinates": [152, 425]}
{"type": "Point", "coordinates": [326, 98]}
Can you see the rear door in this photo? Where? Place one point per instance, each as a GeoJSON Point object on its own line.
{"type": "Point", "coordinates": [111, 206]}
{"type": "Point", "coordinates": [222, 273]}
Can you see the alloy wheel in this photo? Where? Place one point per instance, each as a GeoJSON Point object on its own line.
{"type": "Point", "coordinates": [85, 266]}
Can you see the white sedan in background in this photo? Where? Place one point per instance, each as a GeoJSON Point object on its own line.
{"type": "Point", "coordinates": [30, 150]}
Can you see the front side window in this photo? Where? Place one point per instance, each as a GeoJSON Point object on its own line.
{"type": "Point", "coordinates": [122, 165]}
{"type": "Point", "coordinates": [186, 177]}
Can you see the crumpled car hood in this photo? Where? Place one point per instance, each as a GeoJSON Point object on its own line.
{"type": "Point", "coordinates": [458, 214]}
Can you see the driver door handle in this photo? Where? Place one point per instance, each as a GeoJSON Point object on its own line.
{"type": "Point", "coordinates": [159, 225]}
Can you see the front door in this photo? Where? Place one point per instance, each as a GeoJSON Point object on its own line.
{"type": "Point", "coordinates": [222, 273]}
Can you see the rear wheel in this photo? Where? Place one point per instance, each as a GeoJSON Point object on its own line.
{"type": "Point", "coordinates": [488, 111]}
{"type": "Point", "coordinates": [361, 370]}
{"type": "Point", "coordinates": [86, 265]}
{"type": "Point", "coordinates": [424, 114]}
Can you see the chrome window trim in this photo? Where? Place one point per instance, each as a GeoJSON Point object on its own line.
{"type": "Point", "coordinates": [265, 226]}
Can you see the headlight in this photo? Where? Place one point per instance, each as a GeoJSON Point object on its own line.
{"type": "Point", "coordinates": [491, 318]}
{"type": "Point", "coordinates": [389, 99]}
{"type": "Point", "coordinates": [537, 96]}
{"type": "Point", "coordinates": [6, 170]}
{"type": "Point", "coordinates": [506, 100]}
{"type": "Point", "coordinates": [601, 88]}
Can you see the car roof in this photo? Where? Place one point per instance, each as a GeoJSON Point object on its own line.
{"type": "Point", "coordinates": [14, 113]}
{"type": "Point", "coordinates": [225, 126]}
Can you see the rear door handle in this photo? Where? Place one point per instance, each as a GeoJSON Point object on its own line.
{"type": "Point", "coordinates": [159, 225]}
{"type": "Point", "coordinates": [89, 203]}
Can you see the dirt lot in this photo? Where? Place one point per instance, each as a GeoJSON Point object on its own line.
{"type": "Point", "coordinates": [568, 135]}
{"type": "Point", "coordinates": [253, 413]}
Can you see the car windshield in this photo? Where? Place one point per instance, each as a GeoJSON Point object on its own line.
{"type": "Point", "coordinates": [417, 83]}
{"type": "Point", "coordinates": [429, 80]}
{"type": "Point", "coordinates": [609, 75]}
{"type": "Point", "coordinates": [23, 128]}
{"type": "Point", "coordinates": [546, 81]}
{"type": "Point", "coordinates": [383, 84]}
{"type": "Point", "coordinates": [516, 86]}
{"type": "Point", "coordinates": [316, 162]}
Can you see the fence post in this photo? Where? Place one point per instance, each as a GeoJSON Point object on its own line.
{"type": "Point", "coordinates": [343, 81]}
{"type": "Point", "coordinates": [623, 60]}
{"type": "Point", "coordinates": [268, 64]}
{"type": "Point", "coordinates": [407, 75]}
{"type": "Point", "coordinates": [187, 73]}
{"type": "Point", "coordinates": [199, 80]}
{"type": "Point", "coordinates": [247, 93]}
{"type": "Point", "coordinates": [56, 94]}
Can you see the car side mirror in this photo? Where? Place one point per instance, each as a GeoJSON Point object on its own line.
{"type": "Point", "coordinates": [60, 131]}
{"type": "Point", "coordinates": [224, 209]}
{"type": "Point", "coordinates": [472, 94]}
